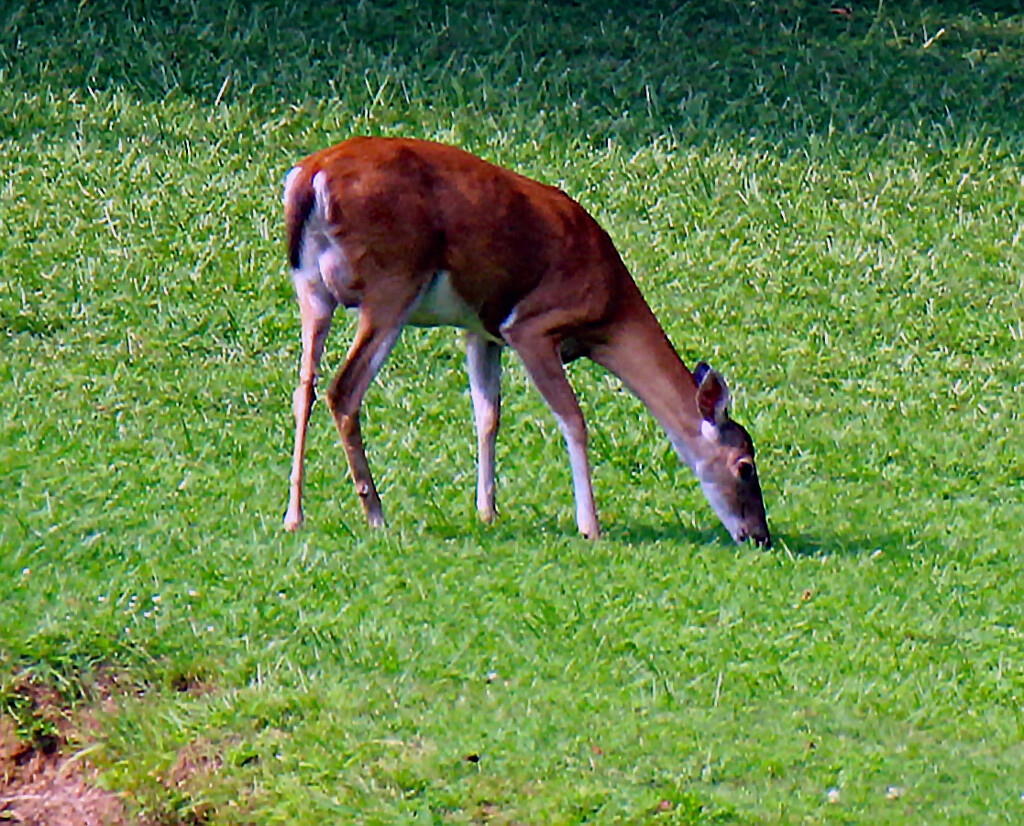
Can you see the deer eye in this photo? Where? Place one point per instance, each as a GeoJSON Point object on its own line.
{"type": "Point", "coordinates": [746, 471]}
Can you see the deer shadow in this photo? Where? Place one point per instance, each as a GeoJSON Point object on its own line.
{"type": "Point", "coordinates": [545, 529]}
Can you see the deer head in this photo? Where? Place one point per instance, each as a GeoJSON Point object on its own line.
{"type": "Point", "coordinates": [725, 462]}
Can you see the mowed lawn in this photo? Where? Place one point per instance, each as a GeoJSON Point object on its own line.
{"type": "Point", "coordinates": [824, 202]}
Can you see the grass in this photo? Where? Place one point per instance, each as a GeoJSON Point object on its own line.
{"type": "Point", "coordinates": [827, 208]}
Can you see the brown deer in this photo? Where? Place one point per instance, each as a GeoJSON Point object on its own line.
{"type": "Point", "coordinates": [413, 232]}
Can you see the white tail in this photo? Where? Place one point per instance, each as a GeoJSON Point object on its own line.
{"type": "Point", "coordinates": [412, 232]}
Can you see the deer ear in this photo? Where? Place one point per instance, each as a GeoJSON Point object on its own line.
{"type": "Point", "coordinates": [712, 396]}
{"type": "Point", "coordinates": [700, 371]}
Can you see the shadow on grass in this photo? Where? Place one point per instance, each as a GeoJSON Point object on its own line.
{"type": "Point", "coordinates": [774, 70]}
{"type": "Point", "coordinates": [32, 323]}
{"type": "Point", "coordinates": [552, 529]}
{"type": "Point", "coordinates": [892, 544]}
{"type": "Point", "coordinates": [637, 533]}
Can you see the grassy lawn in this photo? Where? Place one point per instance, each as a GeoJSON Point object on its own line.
{"type": "Point", "coordinates": [828, 207]}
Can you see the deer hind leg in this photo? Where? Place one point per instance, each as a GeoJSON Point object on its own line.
{"type": "Point", "coordinates": [381, 319]}
{"type": "Point", "coordinates": [316, 311]}
{"type": "Point", "coordinates": [483, 360]}
{"type": "Point", "coordinates": [543, 362]}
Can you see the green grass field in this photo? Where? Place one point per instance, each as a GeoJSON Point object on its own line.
{"type": "Point", "coordinates": [828, 208]}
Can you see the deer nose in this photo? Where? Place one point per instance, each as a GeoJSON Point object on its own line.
{"type": "Point", "coordinates": [762, 539]}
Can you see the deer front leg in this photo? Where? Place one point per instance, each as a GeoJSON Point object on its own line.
{"type": "Point", "coordinates": [315, 312]}
{"type": "Point", "coordinates": [369, 350]}
{"type": "Point", "coordinates": [544, 364]}
{"type": "Point", "coordinates": [483, 360]}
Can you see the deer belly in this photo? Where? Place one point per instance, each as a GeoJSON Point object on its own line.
{"type": "Point", "coordinates": [441, 306]}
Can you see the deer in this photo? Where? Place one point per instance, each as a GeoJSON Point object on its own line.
{"type": "Point", "coordinates": [414, 233]}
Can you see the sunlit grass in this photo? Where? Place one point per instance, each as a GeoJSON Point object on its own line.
{"type": "Point", "coordinates": [825, 209]}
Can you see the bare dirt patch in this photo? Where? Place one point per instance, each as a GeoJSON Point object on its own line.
{"type": "Point", "coordinates": [42, 778]}
{"type": "Point", "coordinates": [45, 774]}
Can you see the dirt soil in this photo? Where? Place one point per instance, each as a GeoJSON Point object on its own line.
{"type": "Point", "coordinates": [41, 782]}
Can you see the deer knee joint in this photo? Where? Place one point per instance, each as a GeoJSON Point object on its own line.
{"type": "Point", "coordinates": [348, 426]}
{"type": "Point", "coordinates": [303, 398]}
{"type": "Point", "coordinates": [488, 421]}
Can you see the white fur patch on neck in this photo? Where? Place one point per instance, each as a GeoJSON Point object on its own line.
{"type": "Point", "coordinates": [708, 430]}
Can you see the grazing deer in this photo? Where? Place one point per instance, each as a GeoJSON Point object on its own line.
{"type": "Point", "coordinates": [413, 232]}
